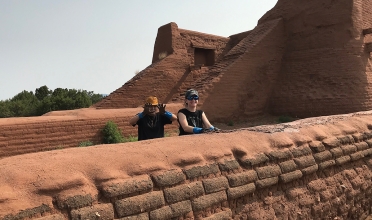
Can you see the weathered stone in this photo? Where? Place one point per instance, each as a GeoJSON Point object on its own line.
{"type": "Point", "coordinates": [323, 156]}
{"type": "Point", "coordinates": [127, 186]}
{"type": "Point", "coordinates": [242, 178]}
{"type": "Point", "coordinates": [305, 161]}
{"type": "Point", "coordinates": [288, 177]}
{"type": "Point", "coordinates": [266, 182]}
{"type": "Point", "coordinates": [137, 204]}
{"type": "Point", "coordinates": [168, 178]}
{"type": "Point", "coordinates": [74, 202]}
{"type": "Point", "coordinates": [317, 146]}
{"type": "Point", "coordinates": [184, 192]}
{"type": "Point", "coordinates": [215, 184]}
{"type": "Point", "coordinates": [301, 151]}
{"type": "Point", "coordinates": [99, 211]}
{"type": "Point", "coordinates": [280, 155]}
{"type": "Point", "coordinates": [202, 171]}
{"type": "Point", "coordinates": [288, 166]}
{"type": "Point", "coordinates": [209, 200]}
{"type": "Point", "coordinates": [229, 165]}
{"type": "Point", "coordinates": [268, 171]}
{"type": "Point", "coordinates": [331, 142]}
{"type": "Point", "coordinates": [240, 191]}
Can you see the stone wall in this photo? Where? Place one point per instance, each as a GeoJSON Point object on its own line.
{"type": "Point", "coordinates": [317, 171]}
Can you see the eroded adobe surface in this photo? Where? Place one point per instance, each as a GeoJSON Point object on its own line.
{"type": "Point", "coordinates": [317, 168]}
{"type": "Point", "coordinates": [302, 59]}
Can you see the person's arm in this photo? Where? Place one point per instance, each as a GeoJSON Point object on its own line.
{"type": "Point", "coordinates": [167, 114]}
{"type": "Point", "coordinates": [207, 124]}
{"type": "Point", "coordinates": [186, 127]}
{"type": "Point", "coordinates": [133, 121]}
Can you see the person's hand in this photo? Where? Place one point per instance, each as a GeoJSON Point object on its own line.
{"type": "Point", "coordinates": [161, 108]}
{"type": "Point", "coordinates": [146, 109]}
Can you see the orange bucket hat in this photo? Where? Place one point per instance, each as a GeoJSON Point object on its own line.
{"type": "Point", "coordinates": [152, 100]}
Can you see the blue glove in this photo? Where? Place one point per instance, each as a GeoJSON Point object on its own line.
{"type": "Point", "coordinates": [197, 130]}
{"type": "Point", "coordinates": [168, 114]}
{"type": "Point", "coordinates": [211, 128]}
{"type": "Point", "coordinates": [141, 115]}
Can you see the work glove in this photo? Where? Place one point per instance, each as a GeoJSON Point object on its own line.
{"type": "Point", "coordinates": [161, 108]}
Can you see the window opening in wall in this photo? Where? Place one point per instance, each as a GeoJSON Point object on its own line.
{"type": "Point", "coordinates": [203, 57]}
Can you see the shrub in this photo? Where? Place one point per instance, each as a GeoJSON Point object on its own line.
{"type": "Point", "coordinates": [130, 139]}
{"type": "Point", "coordinates": [85, 144]}
{"type": "Point", "coordinates": [112, 134]}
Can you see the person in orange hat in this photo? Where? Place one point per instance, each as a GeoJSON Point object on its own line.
{"type": "Point", "coordinates": [152, 120]}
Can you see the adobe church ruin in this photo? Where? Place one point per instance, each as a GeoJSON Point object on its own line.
{"type": "Point", "coordinates": [305, 58]}
{"type": "Point", "coordinates": [302, 59]}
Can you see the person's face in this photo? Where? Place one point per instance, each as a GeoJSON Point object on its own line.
{"type": "Point", "coordinates": [192, 101]}
{"type": "Point", "coordinates": [153, 109]}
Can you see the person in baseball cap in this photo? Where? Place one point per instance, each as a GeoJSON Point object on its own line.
{"type": "Point", "coordinates": [191, 120]}
{"type": "Point", "coordinates": [152, 119]}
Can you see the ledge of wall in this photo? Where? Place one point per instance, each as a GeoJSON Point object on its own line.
{"type": "Point", "coordinates": [311, 170]}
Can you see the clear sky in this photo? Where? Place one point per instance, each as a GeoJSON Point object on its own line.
{"type": "Point", "coordinates": [98, 45]}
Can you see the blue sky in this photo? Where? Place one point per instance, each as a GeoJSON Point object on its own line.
{"type": "Point", "coordinates": [99, 45]}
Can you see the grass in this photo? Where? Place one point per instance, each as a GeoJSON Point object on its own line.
{"type": "Point", "coordinates": [85, 144]}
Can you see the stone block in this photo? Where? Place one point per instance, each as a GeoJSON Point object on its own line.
{"type": "Point", "coordinates": [288, 166]}
{"type": "Point", "coordinates": [224, 215]}
{"type": "Point", "coordinates": [280, 155]}
{"type": "Point", "coordinates": [337, 152]}
{"type": "Point", "coordinates": [229, 165]}
{"type": "Point", "coordinates": [142, 216]}
{"type": "Point", "coordinates": [74, 202]}
{"type": "Point", "coordinates": [348, 149]}
{"type": "Point", "coordinates": [356, 156]}
{"type": "Point", "coordinates": [52, 217]}
{"type": "Point", "coordinates": [322, 156]}
{"type": "Point", "coordinates": [168, 178]}
{"type": "Point", "coordinates": [183, 192]}
{"type": "Point", "coordinates": [202, 171]}
{"type": "Point", "coordinates": [369, 142]}
{"type": "Point", "coordinates": [359, 136]}
{"type": "Point", "coordinates": [301, 151]}
{"type": "Point", "coordinates": [28, 213]}
{"type": "Point", "coordinates": [181, 208]}
{"type": "Point", "coordinates": [162, 213]}
{"type": "Point", "coordinates": [344, 140]}
{"type": "Point", "coordinates": [99, 211]}
{"type": "Point", "coordinates": [127, 186]}
{"type": "Point", "coordinates": [242, 178]}
{"type": "Point", "coordinates": [310, 170]}
{"type": "Point", "coordinates": [306, 161]}
{"type": "Point", "coordinates": [361, 146]}
{"type": "Point", "coordinates": [289, 177]}
{"type": "Point", "coordinates": [137, 204]}
{"type": "Point", "coordinates": [209, 200]}
{"type": "Point", "coordinates": [266, 182]}
{"type": "Point", "coordinates": [343, 160]}
{"type": "Point", "coordinates": [258, 159]}
{"type": "Point", "coordinates": [326, 164]}
{"type": "Point", "coordinates": [331, 142]}
{"type": "Point", "coordinates": [268, 171]}
{"type": "Point", "coordinates": [316, 146]}
{"type": "Point", "coordinates": [240, 191]}
{"type": "Point", "coordinates": [215, 184]}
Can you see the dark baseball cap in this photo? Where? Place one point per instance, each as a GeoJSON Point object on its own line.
{"type": "Point", "coordinates": [191, 92]}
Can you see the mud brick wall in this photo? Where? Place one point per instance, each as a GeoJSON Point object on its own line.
{"type": "Point", "coordinates": [21, 136]}
{"type": "Point", "coordinates": [252, 83]}
{"type": "Point", "coordinates": [324, 178]}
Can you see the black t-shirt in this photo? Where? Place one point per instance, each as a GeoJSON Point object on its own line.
{"type": "Point", "coordinates": [194, 119]}
{"type": "Point", "coordinates": [150, 127]}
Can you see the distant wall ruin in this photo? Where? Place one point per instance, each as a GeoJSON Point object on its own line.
{"type": "Point", "coordinates": [302, 59]}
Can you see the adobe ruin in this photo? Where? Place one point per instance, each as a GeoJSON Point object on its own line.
{"type": "Point", "coordinates": [302, 60]}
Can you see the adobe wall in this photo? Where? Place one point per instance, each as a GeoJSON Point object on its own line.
{"type": "Point", "coordinates": [325, 69]}
{"type": "Point", "coordinates": [65, 129]}
{"type": "Point", "coordinates": [252, 75]}
{"type": "Point", "coordinates": [318, 168]}
{"type": "Point", "coordinates": [169, 77]}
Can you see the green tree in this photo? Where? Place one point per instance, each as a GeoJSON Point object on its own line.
{"type": "Point", "coordinates": [42, 92]}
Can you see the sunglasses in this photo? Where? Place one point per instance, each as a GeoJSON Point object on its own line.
{"type": "Point", "coordinates": [193, 97]}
